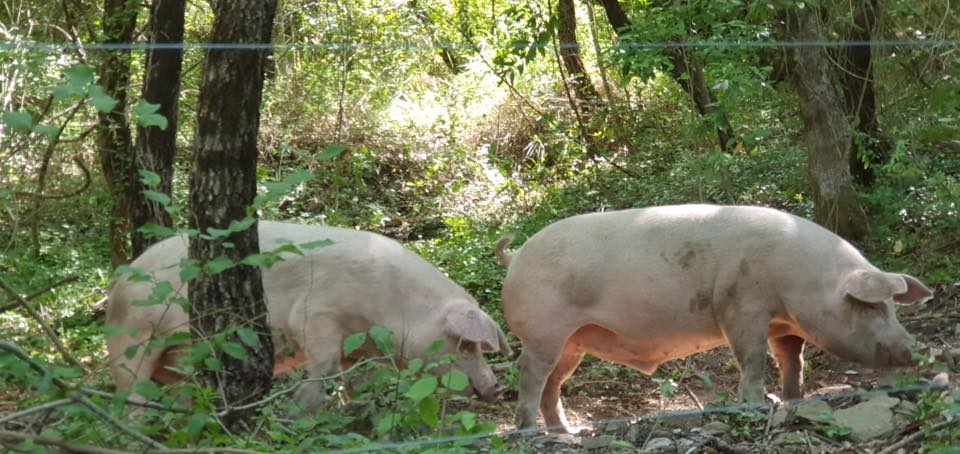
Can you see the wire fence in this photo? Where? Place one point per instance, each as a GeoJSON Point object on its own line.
{"type": "Point", "coordinates": [148, 46]}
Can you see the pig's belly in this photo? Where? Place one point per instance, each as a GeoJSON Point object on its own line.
{"type": "Point", "coordinates": [641, 353]}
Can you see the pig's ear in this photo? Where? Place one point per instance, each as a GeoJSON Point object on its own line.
{"type": "Point", "coordinates": [916, 291]}
{"type": "Point", "coordinates": [878, 286]}
{"type": "Point", "coordinates": [474, 325]}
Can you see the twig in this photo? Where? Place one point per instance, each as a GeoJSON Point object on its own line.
{"type": "Point", "coordinates": [770, 413]}
{"type": "Point", "coordinates": [694, 396]}
{"type": "Point", "coordinates": [80, 398]}
{"type": "Point", "coordinates": [290, 389]}
{"type": "Point", "coordinates": [37, 409]}
{"type": "Point", "coordinates": [918, 435]}
{"type": "Point", "coordinates": [37, 293]}
{"type": "Point", "coordinates": [201, 451]}
{"type": "Point", "coordinates": [43, 325]}
{"type": "Point", "coordinates": [66, 446]}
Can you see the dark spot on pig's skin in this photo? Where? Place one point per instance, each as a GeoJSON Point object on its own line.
{"type": "Point", "coordinates": [663, 255]}
{"type": "Point", "coordinates": [700, 301]}
{"type": "Point", "coordinates": [732, 292]}
{"type": "Point", "coordinates": [744, 268]}
{"type": "Point", "coordinates": [686, 254]}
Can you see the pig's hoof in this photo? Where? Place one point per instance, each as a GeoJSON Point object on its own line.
{"type": "Point", "coordinates": [310, 397]}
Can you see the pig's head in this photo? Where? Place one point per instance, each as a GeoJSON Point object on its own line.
{"type": "Point", "coordinates": [468, 333]}
{"type": "Point", "coordinates": [861, 325]}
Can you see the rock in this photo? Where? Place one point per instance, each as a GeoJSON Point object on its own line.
{"type": "Point", "coordinates": [790, 438]}
{"type": "Point", "coordinates": [779, 417]}
{"type": "Point", "coordinates": [715, 428]}
{"type": "Point", "coordinates": [867, 420]}
{"type": "Point", "coordinates": [684, 445]}
{"type": "Point", "coordinates": [597, 442]}
{"type": "Point", "coordinates": [683, 421]}
{"type": "Point", "coordinates": [906, 407]}
{"type": "Point", "coordinates": [884, 400]}
{"type": "Point", "coordinates": [940, 380]}
{"type": "Point", "coordinates": [813, 410]}
{"type": "Point", "coordinates": [633, 434]}
{"type": "Point", "coordinates": [659, 444]}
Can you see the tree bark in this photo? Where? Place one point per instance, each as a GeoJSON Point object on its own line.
{"type": "Point", "coordinates": [858, 92]}
{"type": "Point", "coordinates": [222, 187]}
{"type": "Point", "coordinates": [156, 147]}
{"type": "Point", "coordinates": [583, 88]}
{"type": "Point", "coordinates": [827, 132]}
{"type": "Point", "coordinates": [113, 130]}
{"type": "Point", "coordinates": [685, 63]}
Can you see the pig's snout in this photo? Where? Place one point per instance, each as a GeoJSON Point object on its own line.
{"type": "Point", "coordinates": [898, 354]}
{"type": "Point", "coordinates": [490, 394]}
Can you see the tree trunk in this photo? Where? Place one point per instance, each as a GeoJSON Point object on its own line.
{"type": "Point", "coordinates": [827, 132]}
{"type": "Point", "coordinates": [156, 147]}
{"type": "Point", "coordinates": [858, 93]}
{"type": "Point", "coordinates": [222, 187]}
{"type": "Point", "coordinates": [685, 63]}
{"type": "Point", "coordinates": [570, 54]}
{"type": "Point", "coordinates": [113, 130]}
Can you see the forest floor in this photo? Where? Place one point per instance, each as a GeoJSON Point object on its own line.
{"type": "Point", "coordinates": [620, 410]}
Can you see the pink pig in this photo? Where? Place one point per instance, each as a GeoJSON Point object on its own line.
{"type": "Point", "coordinates": [643, 286]}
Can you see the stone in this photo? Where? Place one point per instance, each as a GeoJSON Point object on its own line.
{"type": "Point", "coordinates": [659, 444]}
{"type": "Point", "coordinates": [867, 420]}
{"type": "Point", "coordinates": [633, 434]}
{"type": "Point", "coordinates": [790, 438]}
{"type": "Point", "coordinates": [683, 421]}
{"type": "Point", "coordinates": [813, 410]}
{"type": "Point", "coordinates": [715, 428]}
{"type": "Point", "coordinates": [685, 445]}
{"type": "Point", "coordinates": [602, 441]}
{"type": "Point", "coordinates": [779, 418]}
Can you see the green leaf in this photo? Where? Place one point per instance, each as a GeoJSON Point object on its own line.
{"type": "Point", "coordinates": [382, 337]}
{"type": "Point", "coordinates": [331, 151]}
{"type": "Point", "coordinates": [291, 248]}
{"type": "Point", "coordinates": [468, 419]}
{"type": "Point", "coordinates": [235, 350]}
{"type": "Point", "coordinates": [156, 231]}
{"type": "Point", "coordinates": [131, 351]}
{"type": "Point", "coordinates": [146, 115]}
{"type": "Point", "coordinates": [241, 225]}
{"type": "Point", "coordinates": [315, 244]}
{"type": "Point", "coordinates": [414, 366]}
{"type": "Point", "coordinates": [149, 178]}
{"type": "Point", "coordinates": [353, 342]}
{"type": "Point", "coordinates": [103, 102]}
{"type": "Point", "coordinates": [147, 389]}
{"type": "Point", "coordinates": [200, 351]}
{"type": "Point", "coordinates": [265, 260]}
{"type": "Point", "coordinates": [455, 380]}
{"type": "Point", "coordinates": [434, 347]}
{"type": "Point", "coordinates": [48, 131]}
{"type": "Point", "coordinates": [430, 411]}
{"type": "Point", "coordinates": [135, 274]}
{"type": "Point", "coordinates": [212, 363]}
{"type": "Point", "coordinates": [64, 91]}
{"type": "Point", "coordinates": [196, 423]}
{"type": "Point", "coordinates": [159, 197]}
{"type": "Point", "coordinates": [189, 269]}
{"type": "Point", "coordinates": [181, 338]}
{"type": "Point", "coordinates": [18, 121]}
{"type": "Point", "coordinates": [248, 337]}
{"type": "Point", "coordinates": [422, 388]}
{"type": "Point", "coordinates": [157, 296]}
{"type": "Point", "coordinates": [79, 75]}
{"type": "Point", "coordinates": [219, 265]}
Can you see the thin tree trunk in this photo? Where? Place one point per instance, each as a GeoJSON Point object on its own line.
{"type": "Point", "coordinates": [858, 92]}
{"type": "Point", "coordinates": [113, 130]}
{"type": "Point", "coordinates": [570, 54]}
{"type": "Point", "coordinates": [156, 147]}
{"type": "Point", "coordinates": [827, 132]}
{"type": "Point", "coordinates": [222, 187]}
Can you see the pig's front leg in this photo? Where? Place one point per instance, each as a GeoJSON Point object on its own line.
{"type": "Point", "coordinates": [746, 332]}
{"type": "Point", "coordinates": [788, 351]}
{"type": "Point", "coordinates": [322, 344]}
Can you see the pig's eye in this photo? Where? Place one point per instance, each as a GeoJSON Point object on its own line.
{"type": "Point", "coordinates": [865, 306]}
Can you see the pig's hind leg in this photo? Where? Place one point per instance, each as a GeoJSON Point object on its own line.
{"type": "Point", "coordinates": [550, 403]}
{"type": "Point", "coordinates": [322, 342]}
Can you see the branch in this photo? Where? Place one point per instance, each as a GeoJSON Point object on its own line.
{"type": "Point", "coordinates": [918, 435]}
{"type": "Point", "coordinates": [290, 389]}
{"type": "Point", "coordinates": [66, 446]}
{"type": "Point", "coordinates": [46, 328]}
{"type": "Point", "coordinates": [33, 295]}
{"type": "Point", "coordinates": [86, 184]}
{"type": "Point", "coordinates": [37, 409]}
{"type": "Point", "coordinates": [116, 423]}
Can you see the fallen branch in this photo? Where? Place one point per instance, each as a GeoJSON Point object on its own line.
{"type": "Point", "coordinates": [37, 293]}
{"type": "Point", "coordinates": [80, 398]}
{"type": "Point", "coordinates": [43, 407]}
{"type": "Point", "coordinates": [43, 325]}
{"type": "Point", "coordinates": [290, 389]}
{"type": "Point", "coordinates": [67, 446]}
{"type": "Point", "coordinates": [916, 436]}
